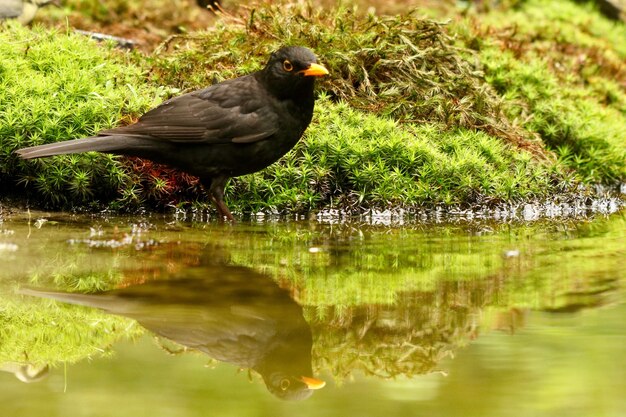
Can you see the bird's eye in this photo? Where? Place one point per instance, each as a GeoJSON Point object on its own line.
{"type": "Point", "coordinates": [284, 384]}
{"type": "Point", "coordinates": [287, 66]}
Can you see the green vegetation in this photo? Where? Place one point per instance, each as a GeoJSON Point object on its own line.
{"type": "Point", "coordinates": [57, 86]}
{"type": "Point", "coordinates": [514, 104]}
{"type": "Point", "coordinates": [44, 332]}
{"type": "Point", "coordinates": [560, 67]}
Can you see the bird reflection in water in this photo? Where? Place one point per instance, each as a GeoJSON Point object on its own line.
{"type": "Point", "coordinates": [233, 314]}
{"type": "Point", "coordinates": [26, 372]}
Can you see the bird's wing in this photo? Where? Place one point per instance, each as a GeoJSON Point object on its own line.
{"type": "Point", "coordinates": [234, 111]}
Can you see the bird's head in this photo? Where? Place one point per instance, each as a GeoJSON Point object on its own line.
{"type": "Point", "coordinates": [290, 70]}
{"type": "Point", "coordinates": [289, 387]}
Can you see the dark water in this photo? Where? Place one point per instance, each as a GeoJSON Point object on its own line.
{"type": "Point", "coordinates": [465, 319]}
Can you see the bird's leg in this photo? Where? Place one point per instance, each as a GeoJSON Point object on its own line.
{"type": "Point", "coordinates": [216, 191]}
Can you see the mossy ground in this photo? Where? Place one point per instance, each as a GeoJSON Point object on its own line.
{"type": "Point", "coordinates": [514, 104]}
{"type": "Point", "coordinates": [560, 67]}
{"type": "Point", "coordinates": [56, 86]}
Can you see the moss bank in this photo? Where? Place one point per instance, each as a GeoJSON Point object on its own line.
{"type": "Point", "coordinates": [416, 112]}
{"type": "Point", "coordinates": [560, 66]}
{"type": "Point", "coordinates": [56, 86]}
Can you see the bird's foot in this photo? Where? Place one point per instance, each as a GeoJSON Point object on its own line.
{"type": "Point", "coordinates": [222, 211]}
{"type": "Point", "coordinates": [216, 191]}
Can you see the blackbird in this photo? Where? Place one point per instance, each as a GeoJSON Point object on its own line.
{"type": "Point", "coordinates": [231, 313]}
{"type": "Point", "coordinates": [229, 129]}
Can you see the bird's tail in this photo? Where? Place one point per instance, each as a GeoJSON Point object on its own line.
{"type": "Point", "coordinates": [104, 302]}
{"type": "Point", "coordinates": [94, 143]}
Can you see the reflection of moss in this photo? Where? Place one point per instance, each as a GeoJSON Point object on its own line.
{"type": "Point", "coordinates": [44, 332]}
{"type": "Point", "coordinates": [407, 338]}
{"type": "Point", "coordinates": [398, 306]}
{"type": "Point", "coordinates": [387, 302]}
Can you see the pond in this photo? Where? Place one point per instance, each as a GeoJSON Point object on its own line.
{"type": "Point", "coordinates": [311, 317]}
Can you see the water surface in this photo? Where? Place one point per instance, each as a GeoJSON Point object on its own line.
{"type": "Point", "coordinates": [452, 319]}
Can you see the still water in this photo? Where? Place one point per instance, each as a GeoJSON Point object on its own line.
{"type": "Point", "coordinates": [311, 318]}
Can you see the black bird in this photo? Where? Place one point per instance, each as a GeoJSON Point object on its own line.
{"type": "Point", "coordinates": [233, 314]}
{"type": "Point", "coordinates": [229, 129]}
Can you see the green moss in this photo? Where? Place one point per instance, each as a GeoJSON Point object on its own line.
{"type": "Point", "coordinates": [587, 136]}
{"type": "Point", "coordinates": [43, 332]}
{"type": "Point", "coordinates": [560, 68]}
{"type": "Point", "coordinates": [56, 87]}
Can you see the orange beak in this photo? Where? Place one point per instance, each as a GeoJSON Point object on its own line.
{"type": "Point", "coordinates": [315, 70]}
{"type": "Point", "coordinates": [312, 383]}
